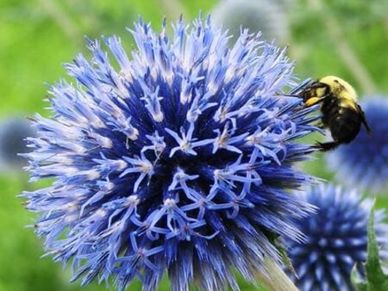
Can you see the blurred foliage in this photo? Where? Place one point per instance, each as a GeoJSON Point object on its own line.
{"type": "Point", "coordinates": [362, 24]}
{"type": "Point", "coordinates": [37, 36]}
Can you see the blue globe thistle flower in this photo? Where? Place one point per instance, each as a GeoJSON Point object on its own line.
{"type": "Point", "coordinates": [266, 16]}
{"type": "Point", "coordinates": [178, 159]}
{"type": "Point", "coordinates": [336, 239]}
{"type": "Point", "coordinates": [364, 162]}
{"type": "Point", "coordinates": [13, 132]}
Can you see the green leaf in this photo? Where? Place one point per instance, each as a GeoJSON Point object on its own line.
{"type": "Point", "coordinates": [372, 266]}
{"type": "Point", "coordinates": [376, 280]}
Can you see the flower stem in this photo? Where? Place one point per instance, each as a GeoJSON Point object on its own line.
{"type": "Point", "coordinates": [274, 278]}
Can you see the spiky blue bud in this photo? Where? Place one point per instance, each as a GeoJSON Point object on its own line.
{"type": "Point", "coordinates": [177, 159]}
{"type": "Point", "coordinates": [13, 131]}
{"type": "Point", "coordinates": [268, 17]}
{"type": "Point", "coordinates": [336, 239]}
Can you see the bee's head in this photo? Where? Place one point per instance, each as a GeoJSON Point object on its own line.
{"type": "Point", "coordinates": [316, 89]}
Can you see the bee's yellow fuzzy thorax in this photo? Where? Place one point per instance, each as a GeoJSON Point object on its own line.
{"type": "Point", "coordinates": [340, 87]}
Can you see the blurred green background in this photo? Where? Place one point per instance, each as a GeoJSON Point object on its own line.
{"type": "Point", "coordinates": [345, 38]}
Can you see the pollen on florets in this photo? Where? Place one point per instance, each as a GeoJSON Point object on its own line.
{"type": "Point", "coordinates": [177, 159]}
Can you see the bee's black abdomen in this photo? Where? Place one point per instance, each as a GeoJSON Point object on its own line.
{"type": "Point", "coordinates": [344, 125]}
{"type": "Point", "coordinates": [330, 110]}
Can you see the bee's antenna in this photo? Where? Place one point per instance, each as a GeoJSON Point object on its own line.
{"type": "Point", "coordinates": [290, 95]}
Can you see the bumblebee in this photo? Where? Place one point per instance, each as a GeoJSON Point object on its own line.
{"type": "Point", "coordinates": [341, 113]}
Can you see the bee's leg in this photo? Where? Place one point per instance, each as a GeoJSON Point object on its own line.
{"type": "Point", "coordinates": [314, 100]}
{"type": "Point", "coordinates": [321, 125]}
{"type": "Point", "coordinates": [363, 119]}
{"type": "Point", "coordinates": [326, 146]}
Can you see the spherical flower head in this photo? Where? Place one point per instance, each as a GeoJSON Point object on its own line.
{"type": "Point", "coordinates": [364, 161]}
{"type": "Point", "coordinates": [336, 239]}
{"type": "Point", "coordinates": [13, 131]}
{"type": "Point", "coordinates": [178, 159]}
{"type": "Point", "coordinates": [265, 16]}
